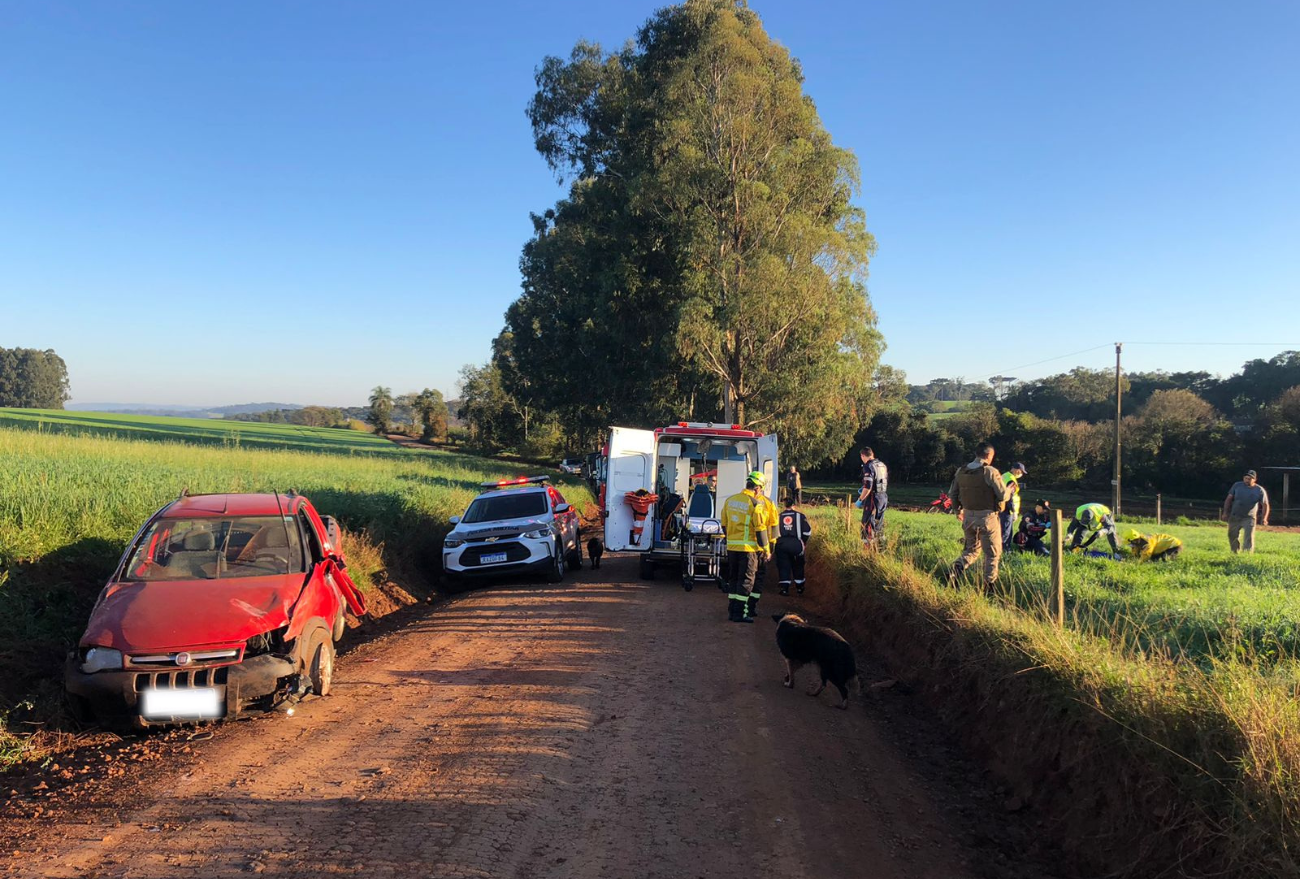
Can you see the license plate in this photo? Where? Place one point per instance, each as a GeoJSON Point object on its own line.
{"type": "Point", "coordinates": [491, 558]}
{"type": "Point", "coordinates": [199, 702]}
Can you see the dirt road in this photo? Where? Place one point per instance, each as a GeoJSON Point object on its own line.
{"type": "Point", "coordinates": [602, 728]}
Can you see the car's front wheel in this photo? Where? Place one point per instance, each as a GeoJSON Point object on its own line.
{"type": "Point", "coordinates": [319, 660]}
{"type": "Point", "coordinates": [574, 556]}
{"type": "Point", "coordinates": [556, 573]}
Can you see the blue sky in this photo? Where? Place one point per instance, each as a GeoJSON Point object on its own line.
{"type": "Point", "coordinates": [211, 203]}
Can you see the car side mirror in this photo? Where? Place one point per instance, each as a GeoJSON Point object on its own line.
{"type": "Point", "coordinates": [454, 520]}
{"type": "Point", "coordinates": [563, 508]}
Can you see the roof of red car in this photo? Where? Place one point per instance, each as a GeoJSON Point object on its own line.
{"type": "Point", "coordinates": [232, 505]}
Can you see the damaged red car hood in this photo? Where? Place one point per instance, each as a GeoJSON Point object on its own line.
{"type": "Point", "coordinates": [179, 614]}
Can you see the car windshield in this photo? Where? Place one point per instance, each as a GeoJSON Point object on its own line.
{"type": "Point", "coordinates": [213, 548]}
{"type": "Point", "coordinates": [515, 505]}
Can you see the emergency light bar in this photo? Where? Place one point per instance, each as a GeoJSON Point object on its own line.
{"type": "Point", "coordinates": [522, 480]}
{"type": "Point", "coordinates": [707, 425]}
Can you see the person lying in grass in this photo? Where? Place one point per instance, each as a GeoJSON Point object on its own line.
{"type": "Point", "coordinates": [1152, 547]}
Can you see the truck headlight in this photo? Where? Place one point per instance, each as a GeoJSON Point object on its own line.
{"type": "Point", "coordinates": [452, 542]}
{"type": "Point", "coordinates": [537, 534]}
{"type": "Point", "coordinates": [101, 659]}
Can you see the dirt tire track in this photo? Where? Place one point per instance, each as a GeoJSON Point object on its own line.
{"type": "Point", "coordinates": [603, 728]}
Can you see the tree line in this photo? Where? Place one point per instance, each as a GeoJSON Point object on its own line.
{"type": "Point", "coordinates": [1185, 434]}
{"type": "Point", "coordinates": [707, 263]}
{"type": "Point", "coordinates": [422, 414]}
{"type": "Point", "coordinates": [33, 379]}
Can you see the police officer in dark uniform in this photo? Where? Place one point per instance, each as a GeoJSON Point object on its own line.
{"type": "Point", "coordinates": [874, 497]}
{"type": "Point", "coordinates": [792, 532]}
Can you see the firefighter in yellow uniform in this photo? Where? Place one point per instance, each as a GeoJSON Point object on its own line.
{"type": "Point", "coordinates": [1152, 547]}
{"type": "Point", "coordinates": [773, 514]}
{"type": "Point", "coordinates": [744, 519]}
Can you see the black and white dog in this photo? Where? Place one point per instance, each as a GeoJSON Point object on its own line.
{"type": "Point", "coordinates": [801, 644]}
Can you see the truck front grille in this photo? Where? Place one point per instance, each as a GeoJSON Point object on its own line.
{"type": "Point", "coordinates": [179, 680]}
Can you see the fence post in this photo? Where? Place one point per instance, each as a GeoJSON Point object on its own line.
{"type": "Point", "coordinates": [1158, 522]}
{"type": "Point", "coordinates": [1058, 568]}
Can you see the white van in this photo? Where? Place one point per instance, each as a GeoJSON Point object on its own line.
{"type": "Point", "coordinates": [677, 464]}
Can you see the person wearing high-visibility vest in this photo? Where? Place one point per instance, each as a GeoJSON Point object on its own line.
{"type": "Point", "coordinates": [1011, 514]}
{"type": "Point", "coordinates": [1152, 547]}
{"type": "Point", "coordinates": [744, 519]}
{"type": "Point", "coordinates": [751, 607]}
{"type": "Point", "coordinates": [1092, 520]}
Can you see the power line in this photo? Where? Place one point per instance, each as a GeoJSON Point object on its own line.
{"type": "Point", "coordinates": [1050, 359]}
{"type": "Point", "coordinates": [1258, 344]}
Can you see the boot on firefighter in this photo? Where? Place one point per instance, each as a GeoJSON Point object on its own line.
{"type": "Point", "coordinates": [744, 518]}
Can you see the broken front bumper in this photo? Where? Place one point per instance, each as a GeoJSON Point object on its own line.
{"type": "Point", "coordinates": [114, 696]}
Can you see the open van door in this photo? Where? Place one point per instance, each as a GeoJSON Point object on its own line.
{"type": "Point", "coordinates": [770, 467]}
{"type": "Point", "coordinates": [630, 466]}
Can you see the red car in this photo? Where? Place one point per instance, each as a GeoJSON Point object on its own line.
{"type": "Point", "coordinates": [222, 602]}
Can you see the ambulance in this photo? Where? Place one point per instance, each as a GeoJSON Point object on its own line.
{"type": "Point", "coordinates": [664, 490]}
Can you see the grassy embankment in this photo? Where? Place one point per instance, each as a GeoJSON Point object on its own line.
{"type": "Point", "coordinates": [1157, 733]}
{"type": "Point", "coordinates": [73, 490]}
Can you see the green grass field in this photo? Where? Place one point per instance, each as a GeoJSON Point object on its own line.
{"type": "Point", "coordinates": [1164, 711]}
{"type": "Point", "coordinates": [198, 431]}
{"type": "Point", "coordinates": [1206, 604]}
{"type": "Point", "coordinates": [74, 490]}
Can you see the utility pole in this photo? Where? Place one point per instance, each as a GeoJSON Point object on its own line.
{"type": "Point", "coordinates": [1119, 346]}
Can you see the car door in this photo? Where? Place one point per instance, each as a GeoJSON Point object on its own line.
{"type": "Point", "coordinates": [326, 572]}
{"type": "Point", "coordinates": [769, 466]}
{"type": "Point", "coordinates": [568, 519]}
{"type": "Point", "coordinates": [630, 466]}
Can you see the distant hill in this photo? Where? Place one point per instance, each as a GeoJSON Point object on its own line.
{"type": "Point", "coordinates": [180, 411]}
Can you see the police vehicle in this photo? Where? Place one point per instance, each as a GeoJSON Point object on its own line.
{"type": "Point", "coordinates": [519, 525]}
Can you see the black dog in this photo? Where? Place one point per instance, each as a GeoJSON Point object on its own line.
{"type": "Point", "coordinates": [595, 549]}
{"type": "Point", "coordinates": [801, 644]}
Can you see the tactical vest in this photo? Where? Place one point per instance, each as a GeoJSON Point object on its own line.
{"type": "Point", "coordinates": [974, 493]}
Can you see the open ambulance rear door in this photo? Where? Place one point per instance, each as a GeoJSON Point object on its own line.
{"type": "Point", "coordinates": [631, 466]}
{"type": "Point", "coordinates": [770, 467]}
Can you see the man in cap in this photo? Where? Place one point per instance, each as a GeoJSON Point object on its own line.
{"type": "Point", "coordinates": [744, 520]}
{"type": "Point", "coordinates": [1092, 520]}
{"type": "Point", "coordinates": [1011, 514]}
{"type": "Point", "coordinates": [1246, 505]}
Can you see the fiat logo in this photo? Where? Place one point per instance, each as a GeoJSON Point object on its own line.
{"type": "Point", "coordinates": [182, 659]}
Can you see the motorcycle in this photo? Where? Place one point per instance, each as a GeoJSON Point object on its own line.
{"type": "Point", "coordinates": [941, 504]}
